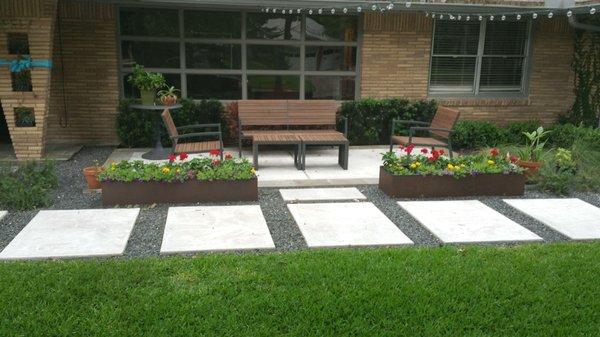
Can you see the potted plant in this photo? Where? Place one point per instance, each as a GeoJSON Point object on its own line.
{"type": "Point", "coordinates": [91, 175]}
{"type": "Point", "coordinates": [530, 156]}
{"type": "Point", "coordinates": [147, 83]}
{"type": "Point", "coordinates": [168, 96]}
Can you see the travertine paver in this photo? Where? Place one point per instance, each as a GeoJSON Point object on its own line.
{"type": "Point", "coordinates": [345, 224]}
{"type": "Point", "coordinates": [213, 228]}
{"type": "Point", "coordinates": [321, 194]}
{"type": "Point", "coordinates": [574, 218]}
{"type": "Point", "coordinates": [73, 233]}
{"type": "Point", "coordinates": [465, 221]}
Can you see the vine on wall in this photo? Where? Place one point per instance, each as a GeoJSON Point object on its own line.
{"type": "Point", "coordinates": [586, 66]}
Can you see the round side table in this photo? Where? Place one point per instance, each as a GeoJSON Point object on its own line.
{"type": "Point", "coordinates": [158, 152]}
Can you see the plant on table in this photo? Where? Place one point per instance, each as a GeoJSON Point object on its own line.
{"type": "Point", "coordinates": [180, 168]}
{"type": "Point", "coordinates": [168, 96]}
{"type": "Point", "coordinates": [433, 162]}
{"type": "Point", "coordinates": [530, 155]}
{"type": "Point", "coordinates": [147, 83]}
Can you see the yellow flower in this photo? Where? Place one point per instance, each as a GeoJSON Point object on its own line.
{"type": "Point", "coordinates": [166, 170]}
{"type": "Point", "coordinates": [418, 164]}
{"type": "Point", "coordinates": [413, 166]}
{"type": "Point", "coordinates": [178, 170]}
{"type": "Point", "coordinates": [253, 170]}
{"type": "Point", "coordinates": [450, 167]}
{"type": "Point", "coordinates": [491, 162]}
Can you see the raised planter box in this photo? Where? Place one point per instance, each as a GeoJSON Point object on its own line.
{"type": "Point", "coordinates": [189, 191]}
{"type": "Point", "coordinates": [447, 186]}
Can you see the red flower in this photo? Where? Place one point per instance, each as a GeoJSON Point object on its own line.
{"type": "Point", "coordinates": [409, 148]}
{"type": "Point", "coordinates": [401, 147]}
{"type": "Point", "coordinates": [228, 155]}
{"type": "Point", "coordinates": [216, 162]}
{"type": "Point", "coordinates": [514, 159]}
{"type": "Point", "coordinates": [183, 156]}
{"type": "Point", "coordinates": [172, 157]}
{"type": "Point", "coordinates": [494, 152]}
{"type": "Point", "coordinates": [424, 151]}
{"type": "Point", "coordinates": [215, 152]}
{"type": "Point", "coordinates": [441, 151]}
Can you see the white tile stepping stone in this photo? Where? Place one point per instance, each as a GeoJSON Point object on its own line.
{"type": "Point", "coordinates": [321, 194]}
{"type": "Point", "coordinates": [346, 224]}
{"type": "Point", "coordinates": [3, 214]}
{"type": "Point", "coordinates": [214, 228]}
{"type": "Point", "coordinates": [466, 221]}
{"type": "Point", "coordinates": [73, 233]}
{"type": "Point", "coordinates": [574, 218]}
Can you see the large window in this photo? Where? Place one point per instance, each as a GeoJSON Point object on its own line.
{"type": "Point", "coordinates": [479, 58]}
{"type": "Point", "coordinates": [239, 55]}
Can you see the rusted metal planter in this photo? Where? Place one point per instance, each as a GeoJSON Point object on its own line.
{"type": "Point", "coordinates": [447, 186]}
{"type": "Point", "coordinates": [189, 191]}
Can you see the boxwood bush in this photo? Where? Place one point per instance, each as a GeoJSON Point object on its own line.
{"type": "Point", "coordinates": [135, 128]}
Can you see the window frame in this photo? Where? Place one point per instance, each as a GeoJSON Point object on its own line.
{"type": "Point", "coordinates": [476, 92]}
{"type": "Point", "coordinates": [243, 41]}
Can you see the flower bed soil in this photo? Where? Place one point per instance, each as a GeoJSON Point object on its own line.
{"type": "Point", "coordinates": [189, 191]}
{"type": "Point", "coordinates": [419, 186]}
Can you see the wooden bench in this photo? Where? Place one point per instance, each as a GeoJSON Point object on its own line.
{"type": "Point", "coordinates": [291, 122]}
{"type": "Point", "coordinates": [440, 130]}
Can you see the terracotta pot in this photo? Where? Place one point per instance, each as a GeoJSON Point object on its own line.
{"type": "Point", "coordinates": [91, 176]}
{"type": "Point", "coordinates": [531, 167]}
{"type": "Point", "coordinates": [168, 100]}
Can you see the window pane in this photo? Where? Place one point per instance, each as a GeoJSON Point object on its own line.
{"type": "Point", "coordinates": [151, 54]}
{"type": "Point", "coordinates": [130, 91]}
{"type": "Point", "coordinates": [273, 87]}
{"type": "Point", "coordinates": [501, 74]}
{"type": "Point", "coordinates": [273, 57]}
{"type": "Point", "coordinates": [329, 87]}
{"type": "Point", "coordinates": [273, 26]}
{"type": "Point", "coordinates": [18, 43]}
{"type": "Point", "coordinates": [456, 38]}
{"type": "Point", "coordinates": [213, 56]}
{"type": "Point", "coordinates": [452, 73]}
{"type": "Point", "coordinates": [505, 38]}
{"type": "Point", "coordinates": [214, 86]}
{"type": "Point", "coordinates": [149, 22]}
{"type": "Point", "coordinates": [202, 24]}
{"type": "Point", "coordinates": [330, 58]}
{"type": "Point", "coordinates": [331, 28]}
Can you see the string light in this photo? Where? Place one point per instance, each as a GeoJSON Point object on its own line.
{"type": "Point", "coordinates": [550, 15]}
{"type": "Point", "coordinates": [592, 10]}
{"type": "Point", "coordinates": [408, 4]}
{"type": "Point", "coordinates": [491, 18]}
{"type": "Point", "coordinates": [534, 15]}
{"type": "Point", "coordinates": [267, 10]}
{"type": "Point", "coordinates": [320, 11]}
{"type": "Point", "coordinates": [518, 17]}
{"type": "Point", "coordinates": [468, 18]}
{"type": "Point", "coordinates": [359, 9]}
{"type": "Point", "coordinates": [480, 18]}
{"type": "Point", "coordinates": [441, 16]}
{"type": "Point", "coordinates": [345, 10]}
{"type": "Point", "coordinates": [569, 14]}
{"type": "Point", "coordinates": [310, 12]}
{"type": "Point", "coordinates": [333, 11]}
{"type": "Point", "coordinates": [503, 17]}
{"type": "Point", "coordinates": [426, 14]}
{"type": "Point", "coordinates": [390, 6]}
{"type": "Point", "coordinates": [374, 7]}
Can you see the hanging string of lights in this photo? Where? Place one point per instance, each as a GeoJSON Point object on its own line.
{"type": "Point", "coordinates": [385, 7]}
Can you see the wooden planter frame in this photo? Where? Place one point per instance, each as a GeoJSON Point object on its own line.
{"type": "Point", "coordinates": [419, 186]}
{"type": "Point", "coordinates": [189, 191]}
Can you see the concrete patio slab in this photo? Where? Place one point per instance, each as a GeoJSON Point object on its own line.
{"type": "Point", "coordinates": [574, 218]}
{"type": "Point", "coordinates": [466, 221]}
{"type": "Point", "coordinates": [346, 224]}
{"type": "Point", "coordinates": [215, 228]}
{"type": "Point", "coordinates": [73, 233]}
{"type": "Point", "coordinates": [322, 194]}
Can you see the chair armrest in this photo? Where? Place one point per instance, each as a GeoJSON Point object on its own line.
{"type": "Point", "coordinates": [345, 119]}
{"type": "Point", "coordinates": [405, 121]}
{"type": "Point", "coordinates": [197, 134]}
{"type": "Point", "coordinates": [199, 126]}
{"type": "Point", "coordinates": [416, 128]}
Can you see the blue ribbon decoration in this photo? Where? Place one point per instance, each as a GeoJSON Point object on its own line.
{"type": "Point", "coordinates": [17, 66]}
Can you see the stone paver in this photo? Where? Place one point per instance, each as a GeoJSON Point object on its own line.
{"type": "Point", "coordinates": [466, 221]}
{"type": "Point", "coordinates": [73, 233]}
{"type": "Point", "coordinates": [214, 228]}
{"type": "Point", "coordinates": [574, 218]}
{"type": "Point", "coordinates": [345, 224]}
{"type": "Point", "coordinates": [322, 194]}
{"type": "Point", "coordinates": [3, 214]}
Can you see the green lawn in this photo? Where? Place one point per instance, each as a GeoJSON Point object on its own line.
{"type": "Point", "coordinates": [537, 290]}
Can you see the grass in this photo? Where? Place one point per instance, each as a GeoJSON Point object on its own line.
{"type": "Point", "coordinates": [532, 290]}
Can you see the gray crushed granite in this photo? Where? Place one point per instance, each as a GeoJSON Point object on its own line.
{"type": "Point", "coordinates": [146, 237]}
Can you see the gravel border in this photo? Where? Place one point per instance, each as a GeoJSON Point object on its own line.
{"type": "Point", "coordinates": [146, 237]}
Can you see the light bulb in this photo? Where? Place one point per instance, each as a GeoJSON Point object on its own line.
{"type": "Point", "coordinates": [518, 16]}
{"type": "Point", "coordinates": [359, 9]}
{"type": "Point", "coordinates": [333, 11]}
{"type": "Point", "coordinates": [534, 15]}
{"type": "Point", "coordinates": [592, 10]}
{"type": "Point", "coordinates": [374, 7]}
{"type": "Point", "coordinates": [408, 5]}
{"type": "Point", "coordinates": [298, 11]}
{"type": "Point", "coordinates": [310, 11]}
{"type": "Point", "coordinates": [480, 18]}
{"type": "Point", "coordinates": [468, 18]}
{"type": "Point", "coordinates": [550, 15]}
{"type": "Point", "coordinates": [345, 10]}
{"type": "Point", "coordinates": [267, 10]}
{"type": "Point", "coordinates": [459, 17]}
{"type": "Point", "coordinates": [570, 13]}
{"type": "Point", "coordinates": [491, 18]}
{"type": "Point", "coordinates": [320, 11]}
{"type": "Point", "coordinates": [390, 6]}
{"type": "Point", "coordinates": [441, 16]}
{"type": "Point", "coordinates": [426, 14]}
{"type": "Point", "coordinates": [503, 17]}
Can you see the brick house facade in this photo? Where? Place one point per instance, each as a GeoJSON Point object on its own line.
{"type": "Point", "coordinates": [76, 101]}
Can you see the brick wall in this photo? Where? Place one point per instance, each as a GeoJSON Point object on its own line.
{"type": "Point", "coordinates": [35, 18]}
{"type": "Point", "coordinates": [395, 63]}
{"type": "Point", "coordinates": [89, 56]}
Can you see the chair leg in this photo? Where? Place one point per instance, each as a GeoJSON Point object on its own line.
{"type": "Point", "coordinates": [346, 155]}
{"type": "Point", "coordinates": [303, 156]}
{"type": "Point", "coordinates": [255, 155]}
{"type": "Point", "coordinates": [240, 147]}
{"type": "Point", "coordinates": [391, 144]}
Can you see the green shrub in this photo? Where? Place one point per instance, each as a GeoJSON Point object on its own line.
{"type": "Point", "coordinates": [370, 120]}
{"type": "Point", "coordinates": [27, 186]}
{"type": "Point", "coordinates": [476, 134]}
{"type": "Point", "coordinates": [565, 135]}
{"type": "Point", "coordinates": [135, 128]}
{"type": "Point", "coordinates": [513, 132]}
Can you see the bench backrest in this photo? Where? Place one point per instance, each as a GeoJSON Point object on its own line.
{"type": "Point", "coordinates": [169, 124]}
{"type": "Point", "coordinates": [445, 118]}
{"type": "Point", "coordinates": [263, 112]}
{"type": "Point", "coordinates": [287, 112]}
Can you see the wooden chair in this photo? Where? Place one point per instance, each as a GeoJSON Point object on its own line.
{"type": "Point", "coordinates": [440, 130]}
{"type": "Point", "coordinates": [194, 146]}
